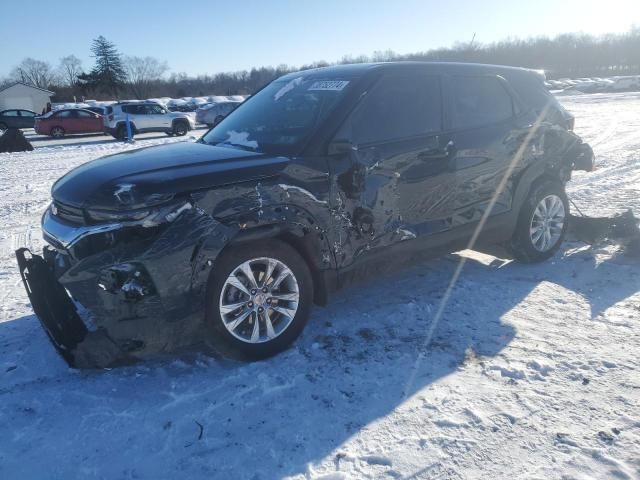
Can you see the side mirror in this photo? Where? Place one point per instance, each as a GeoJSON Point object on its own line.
{"type": "Point", "coordinates": [340, 147]}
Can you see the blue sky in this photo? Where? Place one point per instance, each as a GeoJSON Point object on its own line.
{"type": "Point", "coordinates": [213, 36]}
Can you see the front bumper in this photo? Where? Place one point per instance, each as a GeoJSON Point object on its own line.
{"type": "Point", "coordinates": [110, 294]}
{"type": "Point", "coordinates": [60, 319]}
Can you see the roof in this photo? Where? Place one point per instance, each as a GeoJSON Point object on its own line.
{"type": "Point", "coordinates": [357, 69]}
{"type": "Point", "coordinates": [26, 85]}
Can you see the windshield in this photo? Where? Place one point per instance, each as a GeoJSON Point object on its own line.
{"type": "Point", "coordinates": [280, 117]}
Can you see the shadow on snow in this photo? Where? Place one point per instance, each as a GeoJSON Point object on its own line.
{"type": "Point", "coordinates": [214, 417]}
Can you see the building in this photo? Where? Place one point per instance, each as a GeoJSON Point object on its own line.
{"type": "Point", "coordinates": [22, 96]}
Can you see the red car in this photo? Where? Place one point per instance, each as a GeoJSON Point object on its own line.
{"type": "Point", "coordinates": [59, 123]}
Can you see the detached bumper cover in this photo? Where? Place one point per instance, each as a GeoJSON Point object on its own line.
{"type": "Point", "coordinates": [59, 317]}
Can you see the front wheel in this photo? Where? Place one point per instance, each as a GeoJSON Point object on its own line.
{"type": "Point", "coordinates": [542, 224]}
{"type": "Point", "coordinates": [57, 132]}
{"type": "Point", "coordinates": [258, 299]}
{"type": "Point", "coordinates": [180, 129]}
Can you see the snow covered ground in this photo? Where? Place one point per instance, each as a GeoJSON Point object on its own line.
{"type": "Point", "coordinates": [534, 371]}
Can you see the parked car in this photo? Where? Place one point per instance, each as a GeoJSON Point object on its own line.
{"type": "Point", "coordinates": [16, 118]}
{"type": "Point", "coordinates": [322, 178]}
{"type": "Point", "coordinates": [213, 113]}
{"type": "Point", "coordinates": [68, 121]}
{"type": "Point", "coordinates": [145, 117]}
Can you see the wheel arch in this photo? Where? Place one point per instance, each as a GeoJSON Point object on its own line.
{"type": "Point", "coordinates": [175, 121]}
{"type": "Point", "coordinates": [122, 123]}
{"type": "Point", "coordinates": [533, 176]}
{"type": "Point", "coordinates": [306, 242]}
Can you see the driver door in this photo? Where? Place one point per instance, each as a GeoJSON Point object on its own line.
{"type": "Point", "coordinates": [157, 117]}
{"type": "Point", "coordinates": [393, 183]}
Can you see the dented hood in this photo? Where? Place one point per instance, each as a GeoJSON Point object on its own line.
{"type": "Point", "coordinates": [165, 169]}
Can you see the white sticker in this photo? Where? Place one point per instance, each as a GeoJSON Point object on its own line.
{"type": "Point", "coordinates": [334, 85]}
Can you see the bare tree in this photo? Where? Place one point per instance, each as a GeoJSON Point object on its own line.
{"type": "Point", "coordinates": [142, 72]}
{"type": "Point", "coordinates": [34, 72]}
{"type": "Point", "coordinates": [70, 68]}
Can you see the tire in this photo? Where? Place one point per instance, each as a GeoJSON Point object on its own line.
{"type": "Point", "coordinates": [180, 128]}
{"type": "Point", "coordinates": [57, 132]}
{"type": "Point", "coordinates": [276, 331]}
{"type": "Point", "coordinates": [121, 132]}
{"type": "Point", "coordinates": [542, 223]}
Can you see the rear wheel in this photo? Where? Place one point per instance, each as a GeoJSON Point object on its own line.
{"type": "Point", "coordinates": [258, 299]}
{"type": "Point", "coordinates": [57, 132]}
{"type": "Point", "coordinates": [542, 224]}
{"type": "Point", "coordinates": [121, 132]}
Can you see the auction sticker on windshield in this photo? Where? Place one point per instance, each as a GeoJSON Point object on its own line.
{"type": "Point", "coordinates": [335, 85]}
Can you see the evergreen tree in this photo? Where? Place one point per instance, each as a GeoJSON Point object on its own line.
{"type": "Point", "coordinates": [108, 75]}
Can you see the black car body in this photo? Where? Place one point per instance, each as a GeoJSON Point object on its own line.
{"type": "Point", "coordinates": [339, 172]}
{"type": "Point", "coordinates": [17, 118]}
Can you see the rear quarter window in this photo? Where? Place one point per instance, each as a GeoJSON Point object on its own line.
{"type": "Point", "coordinates": [478, 101]}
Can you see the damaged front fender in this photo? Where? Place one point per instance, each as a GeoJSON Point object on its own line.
{"type": "Point", "coordinates": [139, 292]}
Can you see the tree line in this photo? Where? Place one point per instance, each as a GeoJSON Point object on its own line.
{"type": "Point", "coordinates": [120, 76]}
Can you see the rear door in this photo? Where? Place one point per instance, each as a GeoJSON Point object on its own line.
{"type": "Point", "coordinates": [482, 122]}
{"type": "Point", "coordinates": [88, 122]}
{"type": "Point", "coordinates": [392, 184]}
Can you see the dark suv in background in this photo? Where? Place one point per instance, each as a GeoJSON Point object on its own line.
{"type": "Point", "coordinates": [323, 177]}
{"type": "Point", "coordinates": [16, 118]}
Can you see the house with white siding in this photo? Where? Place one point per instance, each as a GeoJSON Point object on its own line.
{"type": "Point", "coordinates": [23, 96]}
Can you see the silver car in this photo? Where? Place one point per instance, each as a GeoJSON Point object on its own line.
{"type": "Point", "coordinates": [214, 112]}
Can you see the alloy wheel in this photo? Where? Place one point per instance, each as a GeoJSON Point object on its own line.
{"type": "Point", "coordinates": [547, 223]}
{"type": "Point", "coordinates": [259, 300]}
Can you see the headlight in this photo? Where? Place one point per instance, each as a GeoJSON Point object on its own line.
{"type": "Point", "coordinates": [147, 217]}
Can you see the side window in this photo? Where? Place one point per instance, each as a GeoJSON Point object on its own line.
{"type": "Point", "coordinates": [134, 109]}
{"type": "Point", "coordinates": [397, 107]}
{"type": "Point", "coordinates": [27, 113]}
{"type": "Point", "coordinates": [154, 110]}
{"type": "Point", "coordinates": [479, 101]}
{"type": "Point", "coordinates": [82, 114]}
{"type": "Point", "coordinates": [64, 114]}
{"type": "Point", "coordinates": [10, 113]}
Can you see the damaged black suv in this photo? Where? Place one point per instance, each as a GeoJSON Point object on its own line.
{"type": "Point", "coordinates": [319, 179]}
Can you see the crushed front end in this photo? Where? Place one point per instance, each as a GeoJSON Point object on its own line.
{"type": "Point", "coordinates": [113, 287]}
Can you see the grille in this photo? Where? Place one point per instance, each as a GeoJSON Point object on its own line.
{"type": "Point", "coordinates": [69, 213]}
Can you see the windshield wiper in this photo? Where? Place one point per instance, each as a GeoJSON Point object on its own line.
{"type": "Point", "coordinates": [238, 145]}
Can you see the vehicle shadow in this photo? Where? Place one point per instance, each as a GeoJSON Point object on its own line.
{"type": "Point", "coordinates": [216, 418]}
{"type": "Point", "coordinates": [35, 137]}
